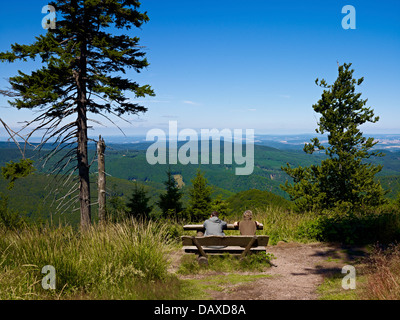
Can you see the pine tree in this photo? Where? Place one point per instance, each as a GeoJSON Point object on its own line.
{"type": "Point", "coordinates": [116, 207]}
{"type": "Point", "coordinates": [344, 178]}
{"type": "Point", "coordinates": [170, 202]}
{"type": "Point", "coordinates": [138, 205]}
{"type": "Point", "coordinates": [221, 206]}
{"type": "Point", "coordinates": [200, 201]}
{"type": "Point", "coordinates": [83, 72]}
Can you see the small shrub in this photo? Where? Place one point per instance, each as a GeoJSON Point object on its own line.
{"type": "Point", "coordinates": [353, 228]}
{"type": "Point", "coordinates": [173, 231]}
{"type": "Point", "coordinates": [9, 219]}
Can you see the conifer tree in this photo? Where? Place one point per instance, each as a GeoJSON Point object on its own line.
{"type": "Point", "coordinates": [345, 178]}
{"type": "Point", "coordinates": [221, 206]}
{"type": "Point", "coordinates": [83, 72]}
{"type": "Point", "coordinates": [200, 201]}
{"type": "Point", "coordinates": [138, 205]}
{"type": "Point", "coordinates": [170, 201]}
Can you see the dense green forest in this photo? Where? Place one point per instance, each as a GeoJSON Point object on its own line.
{"type": "Point", "coordinates": [129, 162]}
{"type": "Point", "coordinates": [40, 196]}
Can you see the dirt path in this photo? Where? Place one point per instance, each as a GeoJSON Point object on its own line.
{"type": "Point", "coordinates": [299, 270]}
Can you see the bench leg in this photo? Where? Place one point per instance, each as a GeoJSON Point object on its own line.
{"type": "Point", "coordinates": [202, 259]}
{"type": "Point", "coordinates": [249, 245]}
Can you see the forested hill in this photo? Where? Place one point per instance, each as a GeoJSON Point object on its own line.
{"type": "Point", "coordinates": [41, 194]}
{"type": "Point", "coordinates": [128, 162]}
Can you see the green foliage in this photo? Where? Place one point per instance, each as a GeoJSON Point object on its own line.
{"type": "Point", "coordinates": [255, 199]}
{"type": "Point", "coordinates": [82, 71]}
{"type": "Point", "coordinates": [115, 205]}
{"type": "Point", "coordinates": [344, 178]}
{"type": "Point", "coordinates": [9, 219]}
{"type": "Point", "coordinates": [226, 263]}
{"type": "Point", "coordinates": [127, 163]}
{"type": "Point", "coordinates": [39, 190]}
{"type": "Point", "coordinates": [138, 205]}
{"type": "Point", "coordinates": [200, 288]}
{"type": "Point", "coordinates": [174, 230]}
{"type": "Point", "coordinates": [131, 164]}
{"type": "Point", "coordinates": [170, 201]}
{"type": "Point", "coordinates": [200, 201]}
{"type": "Point", "coordinates": [353, 228]}
{"type": "Point", "coordinates": [81, 46]}
{"type": "Point", "coordinates": [123, 257]}
{"type": "Point", "coordinates": [221, 206]}
{"type": "Point", "coordinates": [16, 170]}
{"type": "Point", "coordinates": [282, 225]}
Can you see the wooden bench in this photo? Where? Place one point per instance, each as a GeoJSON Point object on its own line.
{"type": "Point", "coordinates": [204, 245]}
{"type": "Point", "coordinates": [200, 228]}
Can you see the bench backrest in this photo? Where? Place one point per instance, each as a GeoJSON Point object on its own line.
{"type": "Point", "coordinates": [226, 240]}
{"type": "Point", "coordinates": [200, 227]}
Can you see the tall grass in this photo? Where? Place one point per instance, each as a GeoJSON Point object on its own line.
{"type": "Point", "coordinates": [281, 225]}
{"type": "Point", "coordinates": [343, 227]}
{"type": "Point", "coordinates": [106, 262]}
{"type": "Point", "coordinates": [383, 275]}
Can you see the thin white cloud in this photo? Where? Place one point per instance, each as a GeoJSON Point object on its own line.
{"type": "Point", "coordinates": [191, 103]}
{"type": "Point", "coordinates": [152, 101]}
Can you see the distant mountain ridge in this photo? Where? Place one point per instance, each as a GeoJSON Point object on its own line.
{"type": "Point", "coordinates": [127, 163]}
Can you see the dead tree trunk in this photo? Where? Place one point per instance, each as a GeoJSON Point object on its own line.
{"type": "Point", "coordinates": [83, 167]}
{"type": "Point", "coordinates": [83, 161]}
{"type": "Point", "coordinates": [101, 147]}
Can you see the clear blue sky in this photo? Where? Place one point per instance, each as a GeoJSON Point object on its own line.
{"type": "Point", "coordinates": [243, 64]}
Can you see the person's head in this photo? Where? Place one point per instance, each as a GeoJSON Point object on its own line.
{"type": "Point", "coordinates": [248, 215]}
{"type": "Point", "coordinates": [214, 214]}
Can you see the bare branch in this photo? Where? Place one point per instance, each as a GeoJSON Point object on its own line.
{"type": "Point", "coordinates": [12, 135]}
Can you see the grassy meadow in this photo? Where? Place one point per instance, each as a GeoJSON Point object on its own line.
{"type": "Point", "coordinates": [133, 259]}
{"type": "Point", "coordinates": [106, 262]}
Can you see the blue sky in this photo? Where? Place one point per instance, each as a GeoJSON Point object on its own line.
{"type": "Point", "coordinates": [243, 64]}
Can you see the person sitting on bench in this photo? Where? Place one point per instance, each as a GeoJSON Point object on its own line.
{"type": "Point", "coordinates": [215, 226]}
{"type": "Point", "coordinates": [247, 227]}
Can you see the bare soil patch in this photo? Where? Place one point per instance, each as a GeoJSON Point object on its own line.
{"type": "Point", "coordinates": [297, 272]}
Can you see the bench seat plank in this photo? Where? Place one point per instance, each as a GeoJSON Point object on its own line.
{"type": "Point", "coordinates": [241, 241]}
{"type": "Point", "coordinates": [229, 249]}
